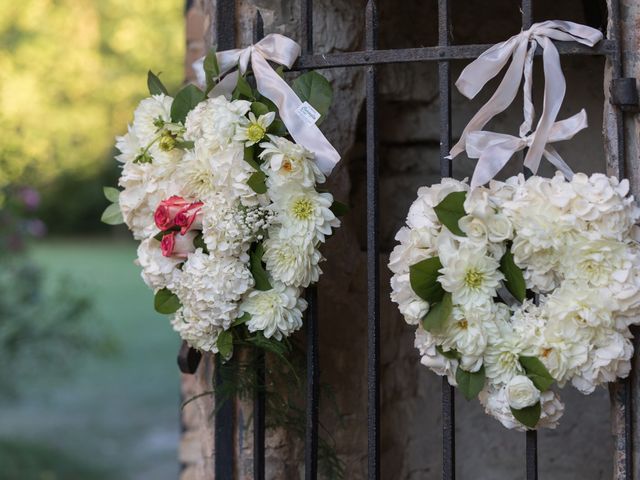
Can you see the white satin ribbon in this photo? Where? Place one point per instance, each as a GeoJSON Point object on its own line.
{"type": "Point", "coordinates": [493, 150]}
{"type": "Point", "coordinates": [521, 49]}
{"type": "Point", "coordinates": [283, 51]}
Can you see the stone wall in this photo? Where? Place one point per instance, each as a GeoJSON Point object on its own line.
{"type": "Point", "coordinates": [409, 133]}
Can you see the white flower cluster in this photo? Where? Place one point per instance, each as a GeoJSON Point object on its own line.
{"type": "Point", "coordinates": [572, 243]}
{"type": "Point", "coordinates": [235, 239]}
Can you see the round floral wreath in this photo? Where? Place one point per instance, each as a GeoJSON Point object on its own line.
{"type": "Point", "coordinates": [461, 274]}
{"type": "Point", "coordinates": [226, 210]}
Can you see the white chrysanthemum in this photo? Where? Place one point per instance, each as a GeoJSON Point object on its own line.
{"type": "Point", "coordinates": [250, 131]}
{"type": "Point", "coordinates": [230, 229]}
{"type": "Point", "coordinates": [411, 306]}
{"type": "Point", "coordinates": [597, 262]}
{"type": "Point", "coordinates": [292, 260]}
{"type": "Point", "coordinates": [129, 146]}
{"type": "Point", "coordinates": [203, 175]}
{"type": "Point", "coordinates": [198, 333]}
{"type": "Point", "coordinates": [465, 334]}
{"type": "Point", "coordinates": [285, 162]}
{"type": "Point", "coordinates": [303, 212]}
{"type": "Point", "coordinates": [144, 186]}
{"type": "Point", "coordinates": [415, 245]}
{"type": "Point", "coordinates": [211, 286]}
{"type": "Point", "coordinates": [430, 357]}
{"type": "Point", "coordinates": [212, 124]}
{"type": "Point", "coordinates": [470, 275]}
{"type": "Point", "coordinates": [502, 354]}
{"type": "Point", "coordinates": [575, 307]}
{"type": "Point", "coordinates": [158, 271]}
{"type": "Point", "coordinates": [276, 312]}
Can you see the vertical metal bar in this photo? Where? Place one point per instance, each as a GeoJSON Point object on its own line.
{"type": "Point", "coordinates": [225, 24]}
{"type": "Point", "coordinates": [624, 394]}
{"type": "Point", "coordinates": [313, 359]}
{"type": "Point", "coordinates": [223, 429]}
{"type": "Point", "coordinates": [531, 437]}
{"type": "Point", "coordinates": [373, 252]}
{"type": "Point", "coordinates": [259, 401]}
{"type": "Point", "coordinates": [444, 82]}
{"type": "Point", "coordinates": [224, 418]}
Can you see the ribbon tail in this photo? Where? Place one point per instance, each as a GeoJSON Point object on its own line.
{"type": "Point", "coordinates": [269, 84]}
{"type": "Point", "coordinates": [552, 155]}
{"type": "Point", "coordinates": [493, 160]}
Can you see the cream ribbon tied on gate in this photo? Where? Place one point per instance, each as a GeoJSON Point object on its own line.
{"type": "Point", "coordinates": [494, 150]}
{"type": "Point", "coordinates": [283, 51]}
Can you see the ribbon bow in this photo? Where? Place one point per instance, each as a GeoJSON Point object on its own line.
{"type": "Point", "coordinates": [521, 49]}
{"type": "Point", "coordinates": [283, 51]}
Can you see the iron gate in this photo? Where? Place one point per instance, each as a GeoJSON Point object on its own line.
{"type": "Point", "coordinates": [369, 59]}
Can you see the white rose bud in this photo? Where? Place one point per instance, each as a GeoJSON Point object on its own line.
{"type": "Point", "coordinates": [499, 227]}
{"type": "Point", "coordinates": [522, 393]}
{"type": "Point", "coordinates": [415, 309]}
{"type": "Point", "coordinates": [474, 228]}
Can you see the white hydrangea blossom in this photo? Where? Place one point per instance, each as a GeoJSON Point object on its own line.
{"type": "Point", "coordinates": [575, 243]}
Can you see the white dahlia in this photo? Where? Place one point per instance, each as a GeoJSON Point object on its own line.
{"type": "Point", "coordinates": [276, 312]}
{"type": "Point", "coordinates": [292, 260]}
{"type": "Point", "coordinates": [212, 124]}
{"type": "Point", "coordinates": [285, 162]}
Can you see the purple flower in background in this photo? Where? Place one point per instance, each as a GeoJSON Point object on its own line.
{"type": "Point", "coordinates": [30, 197]}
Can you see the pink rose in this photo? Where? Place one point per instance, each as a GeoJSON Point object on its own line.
{"type": "Point", "coordinates": [174, 244]}
{"type": "Point", "coordinates": [189, 218]}
{"type": "Point", "coordinates": [166, 212]}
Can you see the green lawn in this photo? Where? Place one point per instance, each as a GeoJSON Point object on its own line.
{"type": "Point", "coordinates": [113, 417]}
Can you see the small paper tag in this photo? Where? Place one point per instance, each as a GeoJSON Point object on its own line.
{"type": "Point", "coordinates": [307, 113]}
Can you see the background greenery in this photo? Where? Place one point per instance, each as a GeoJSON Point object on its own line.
{"type": "Point", "coordinates": [71, 73]}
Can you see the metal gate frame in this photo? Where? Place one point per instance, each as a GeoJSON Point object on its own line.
{"type": "Point", "coordinates": [370, 58]}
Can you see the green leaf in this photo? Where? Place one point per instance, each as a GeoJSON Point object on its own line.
{"type": "Point", "coordinates": [199, 242]}
{"type": "Point", "coordinates": [424, 279]}
{"type": "Point", "coordinates": [278, 128]}
{"type": "Point", "coordinates": [528, 416]}
{"type": "Point", "coordinates": [112, 215]}
{"type": "Point", "coordinates": [211, 69]}
{"type": "Point", "coordinates": [243, 90]}
{"type": "Point", "coordinates": [185, 101]}
{"type": "Point", "coordinates": [250, 157]}
{"type": "Point", "coordinates": [451, 210]}
{"type": "Point", "coordinates": [155, 85]}
{"type": "Point", "coordinates": [470, 383]}
{"type": "Point", "coordinates": [111, 194]}
{"type": "Point", "coordinates": [246, 316]}
{"type": "Point", "coordinates": [438, 314]}
{"type": "Point", "coordinates": [314, 88]}
{"type": "Point", "coordinates": [513, 277]}
{"type": "Point", "coordinates": [339, 209]}
{"type": "Point", "coordinates": [260, 275]}
{"type": "Point", "coordinates": [257, 182]}
{"type": "Point", "coordinates": [450, 354]}
{"type": "Point", "coordinates": [166, 302]}
{"type": "Point", "coordinates": [537, 372]}
{"type": "Point", "coordinates": [185, 144]}
{"type": "Point", "coordinates": [259, 108]}
{"type": "Point", "coordinates": [225, 344]}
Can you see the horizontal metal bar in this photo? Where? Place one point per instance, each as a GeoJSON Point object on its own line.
{"type": "Point", "coordinates": [436, 53]}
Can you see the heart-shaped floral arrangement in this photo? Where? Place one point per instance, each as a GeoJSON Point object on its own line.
{"type": "Point", "coordinates": [521, 286]}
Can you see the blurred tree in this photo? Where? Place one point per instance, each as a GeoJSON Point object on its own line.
{"type": "Point", "coordinates": [71, 72]}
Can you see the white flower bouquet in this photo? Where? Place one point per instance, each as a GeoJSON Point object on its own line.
{"type": "Point", "coordinates": [461, 272]}
{"type": "Point", "coordinates": [226, 208]}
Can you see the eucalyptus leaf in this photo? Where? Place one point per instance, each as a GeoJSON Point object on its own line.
{"type": "Point", "coordinates": [155, 85]}
{"type": "Point", "coordinates": [513, 277]}
{"type": "Point", "coordinates": [537, 372]}
{"type": "Point", "coordinates": [315, 89]}
{"type": "Point", "coordinates": [111, 194]}
{"type": "Point", "coordinates": [424, 280]}
{"type": "Point", "coordinates": [166, 302]}
{"type": "Point", "coordinates": [260, 275]}
{"type": "Point", "coordinates": [450, 210]}
{"type": "Point", "coordinates": [225, 344]}
{"type": "Point", "coordinates": [528, 416]}
{"type": "Point", "coordinates": [339, 209]}
{"type": "Point", "coordinates": [185, 100]}
{"type": "Point", "coordinates": [257, 182]}
{"type": "Point", "coordinates": [438, 314]}
{"type": "Point", "coordinates": [112, 215]}
{"type": "Point", "coordinates": [470, 383]}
